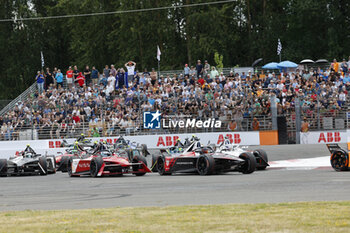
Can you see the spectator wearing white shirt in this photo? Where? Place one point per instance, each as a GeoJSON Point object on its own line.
{"type": "Point", "coordinates": [130, 66]}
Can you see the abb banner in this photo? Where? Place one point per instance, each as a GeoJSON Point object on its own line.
{"type": "Point", "coordinates": [323, 137]}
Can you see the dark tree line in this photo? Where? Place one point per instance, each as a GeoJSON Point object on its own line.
{"type": "Point", "coordinates": [241, 31]}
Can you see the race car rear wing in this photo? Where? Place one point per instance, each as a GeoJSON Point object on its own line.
{"type": "Point", "coordinates": [333, 148]}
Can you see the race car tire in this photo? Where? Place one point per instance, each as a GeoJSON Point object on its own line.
{"type": "Point", "coordinates": [205, 165]}
{"type": "Point", "coordinates": [64, 163]}
{"type": "Point", "coordinates": [68, 167]}
{"type": "Point", "coordinates": [3, 167]}
{"type": "Point", "coordinates": [250, 163]}
{"type": "Point", "coordinates": [138, 159]}
{"type": "Point", "coordinates": [154, 163]}
{"type": "Point", "coordinates": [161, 166]}
{"type": "Point", "coordinates": [144, 150]}
{"type": "Point", "coordinates": [340, 160]}
{"type": "Point", "coordinates": [95, 166]}
{"type": "Point", "coordinates": [42, 166]}
{"type": "Point", "coordinates": [260, 154]}
{"type": "Point", "coordinates": [52, 166]}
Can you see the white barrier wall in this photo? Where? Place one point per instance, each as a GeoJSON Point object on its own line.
{"type": "Point", "coordinates": [9, 148]}
{"type": "Point", "coordinates": [324, 137]}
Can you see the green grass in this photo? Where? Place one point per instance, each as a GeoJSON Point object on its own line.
{"type": "Point", "coordinates": [286, 217]}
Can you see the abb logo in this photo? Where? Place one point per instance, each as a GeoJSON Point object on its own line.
{"type": "Point", "coordinates": [54, 144]}
{"type": "Point", "coordinates": [169, 141]}
{"type": "Point", "coordinates": [329, 137]}
{"type": "Point", "coordinates": [234, 138]}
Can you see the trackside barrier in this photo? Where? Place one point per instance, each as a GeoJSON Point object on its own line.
{"type": "Point", "coordinates": [323, 137]}
{"type": "Point", "coordinates": [9, 148]}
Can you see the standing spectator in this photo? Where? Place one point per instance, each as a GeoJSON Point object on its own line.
{"type": "Point", "coordinates": [59, 79]}
{"type": "Point", "coordinates": [130, 66]}
{"type": "Point", "coordinates": [106, 71]}
{"type": "Point", "coordinates": [206, 68]}
{"type": "Point", "coordinates": [154, 77]}
{"type": "Point", "coordinates": [48, 78]}
{"type": "Point", "coordinates": [113, 71]}
{"type": "Point", "coordinates": [87, 74]}
{"type": "Point", "coordinates": [187, 71]}
{"type": "Point", "coordinates": [111, 79]}
{"type": "Point", "coordinates": [121, 79]}
{"type": "Point", "coordinates": [40, 82]}
{"type": "Point", "coordinates": [69, 77]}
{"type": "Point", "coordinates": [305, 126]}
{"type": "Point", "coordinates": [344, 67]}
{"type": "Point", "coordinates": [335, 66]}
{"type": "Point", "coordinates": [255, 124]}
{"type": "Point", "coordinates": [75, 73]}
{"type": "Point", "coordinates": [199, 68]}
{"type": "Point", "coordinates": [213, 73]}
{"type": "Point", "coordinates": [94, 75]}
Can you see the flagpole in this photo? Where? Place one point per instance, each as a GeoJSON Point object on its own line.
{"type": "Point", "coordinates": [158, 69]}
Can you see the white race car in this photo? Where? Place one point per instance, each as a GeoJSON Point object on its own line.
{"type": "Point", "coordinates": [236, 150]}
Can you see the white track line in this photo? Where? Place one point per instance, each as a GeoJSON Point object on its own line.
{"type": "Point", "coordinates": [301, 164]}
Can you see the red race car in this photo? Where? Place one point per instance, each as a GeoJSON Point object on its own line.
{"type": "Point", "coordinates": [62, 159]}
{"type": "Point", "coordinates": [105, 163]}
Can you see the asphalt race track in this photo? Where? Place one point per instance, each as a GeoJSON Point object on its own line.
{"type": "Point", "coordinates": [275, 185]}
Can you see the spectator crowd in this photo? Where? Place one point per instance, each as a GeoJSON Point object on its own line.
{"type": "Point", "coordinates": [112, 101]}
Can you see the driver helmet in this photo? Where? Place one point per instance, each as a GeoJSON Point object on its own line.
{"type": "Point", "coordinates": [28, 145]}
{"type": "Point", "coordinates": [95, 142]}
{"type": "Point", "coordinates": [82, 134]}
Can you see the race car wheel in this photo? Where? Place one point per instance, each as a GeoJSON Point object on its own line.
{"type": "Point", "coordinates": [138, 159]}
{"type": "Point", "coordinates": [340, 161]}
{"type": "Point", "coordinates": [154, 163]}
{"type": "Point", "coordinates": [52, 164]}
{"type": "Point", "coordinates": [42, 166]}
{"type": "Point", "coordinates": [64, 163]}
{"type": "Point", "coordinates": [95, 166]}
{"type": "Point", "coordinates": [205, 165]}
{"type": "Point", "coordinates": [161, 166]}
{"type": "Point", "coordinates": [261, 156]}
{"type": "Point", "coordinates": [250, 163]}
{"type": "Point", "coordinates": [3, 167]}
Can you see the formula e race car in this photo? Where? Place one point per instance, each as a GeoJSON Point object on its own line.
{"type": "Point", "coordinates": [82, 141]}
{"type": "Point", "coordinates": [103, 162]}
{"type": "Point", "coordinates": [122, 144]}
{"type": "Point", "coordinates": [230, 149]}
{"type": "Point", "coordinates": [28, 162]}
{"type": "Point", "coordinates": [339, 157]}
{"type": "Point", "coordinates": [202, 160]}
{"type": "Point", "coordinates": [74, 151]}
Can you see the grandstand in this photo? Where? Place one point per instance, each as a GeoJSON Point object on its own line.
{"type": "Point", "coordinates": [242, 101]}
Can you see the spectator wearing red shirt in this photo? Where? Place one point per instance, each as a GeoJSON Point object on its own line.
{"type": "Point", "coordinates": [69, 77]}
{"type": "Point", "coordinates": [76, 118]}
{"type": "Point", "coordinates": [201, 81]}
{"type": "Point", "coordinates": [80, 79]}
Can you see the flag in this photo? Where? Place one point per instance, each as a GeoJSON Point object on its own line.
{"type": "Point", "coordinates": [279, 47]}
{"type": "Point", "coordinates": [42, 60]}
{"type": "Point", "coordinates": [158, 53]}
